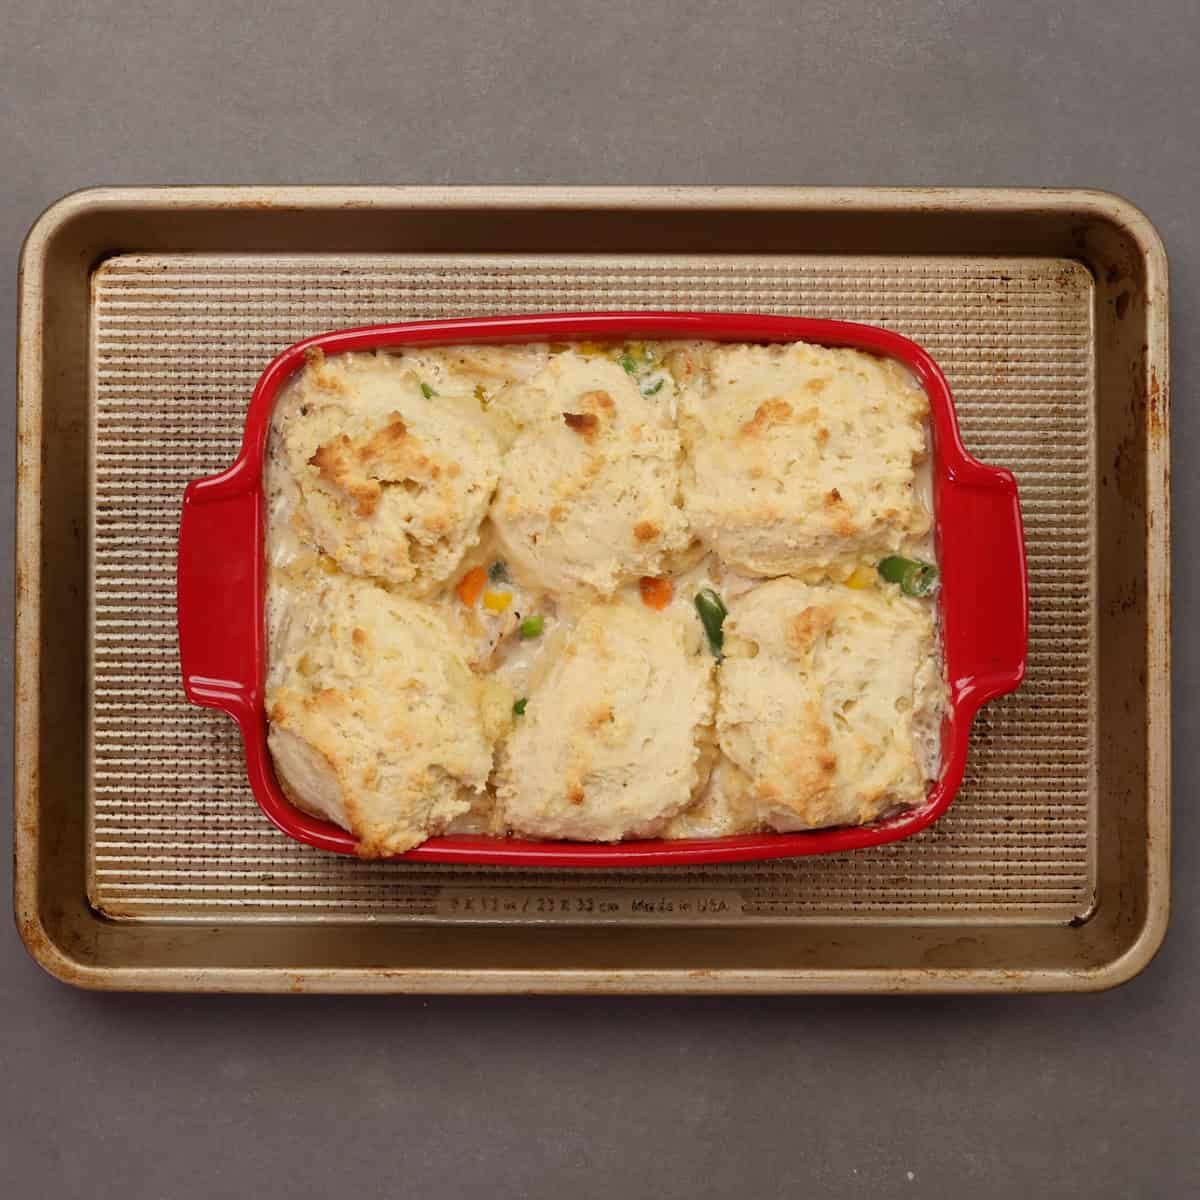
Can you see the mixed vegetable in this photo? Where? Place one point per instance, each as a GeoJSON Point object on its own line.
{"type": "Point", "coordinates": [473, 589]}
{"type": "Point", "coordinates": [712, 612]}
{"type": "Point", "coordinates": [636, 359]}
{"type": "Point", "coordinates": [470, 586]}
{"type": "Point", "coordinates": [916, 578]}
{"type": "Point", "coordinates": [656, 593]}
{"type": "Point", "coordinates": [913, 576]}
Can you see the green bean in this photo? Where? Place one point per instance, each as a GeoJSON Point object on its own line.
{"type": "Point", "coordinates": [712, 611]}
{"type": "Point", "coordinates": [916, 578]}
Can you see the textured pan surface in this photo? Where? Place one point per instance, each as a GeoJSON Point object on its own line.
{"type": "Point", "coordinates": [178, 342]}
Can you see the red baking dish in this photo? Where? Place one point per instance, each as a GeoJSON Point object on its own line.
{"type": "Point", "coordinates": [983, 598]}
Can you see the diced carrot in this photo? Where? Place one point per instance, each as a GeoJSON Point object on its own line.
{"type": "Point", "coordinates": [470, 586]}
{"type": "Point", "coordinates": [656, 593]}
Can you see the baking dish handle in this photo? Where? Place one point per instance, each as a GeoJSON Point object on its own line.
{"type": "Point", "coordinates": [218, 591]}
{"type": "Point", "coordinates": [986, 589]}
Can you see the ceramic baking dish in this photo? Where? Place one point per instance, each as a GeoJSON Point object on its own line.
{"type": "Point", "coordinates": [983, 599]}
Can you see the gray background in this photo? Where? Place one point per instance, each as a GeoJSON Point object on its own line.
{"type": "Point", "coordinates": [191, 1097]}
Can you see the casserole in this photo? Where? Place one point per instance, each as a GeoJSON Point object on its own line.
{"type": "Point", "coordinates": [983, 600]}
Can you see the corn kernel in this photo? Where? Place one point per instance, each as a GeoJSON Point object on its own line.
{"type": "Point", "coordinates": [861, 577]}
{"type": "Point", "coordinates": [497, 602]}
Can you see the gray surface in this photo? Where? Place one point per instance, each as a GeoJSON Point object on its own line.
{"type": "Point", "coordinates": [155, 1097]}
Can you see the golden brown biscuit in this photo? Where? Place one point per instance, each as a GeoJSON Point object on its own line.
{"type": "Point", "coordinates": [616, 736]}
{"type": "Point", "coordinates": [376, 722]}
{"type": "Point", "coordinates": [588, 496]}
{"type": "Point", "coordinates": [801, 460]}
{"type": "Point", "coordinates": [828, 704]}
{"type": "Point", "coordinates": [392, 483]}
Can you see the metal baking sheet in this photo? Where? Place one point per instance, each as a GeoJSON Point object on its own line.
{"type": "Point", "coordinates": [175, 335]}
{"type": "Point", "coordinates": [175, 830]}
